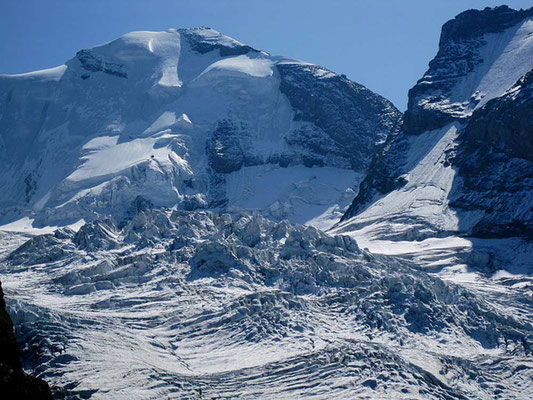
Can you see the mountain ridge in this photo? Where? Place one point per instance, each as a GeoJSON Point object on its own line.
{"type": "Point", "coordinates": [486, 59]}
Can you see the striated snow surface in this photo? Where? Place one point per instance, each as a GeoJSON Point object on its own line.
{"type": "Point", "coordinates": [191, 305]}
{"type": "Point", "coordinates": [419, 208]}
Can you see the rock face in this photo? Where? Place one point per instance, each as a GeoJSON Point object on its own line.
{"type": "Point", "coordinates": [14, 382]}
{"type": "Point", "coordinates": [191, 304]}
{"type": "Point", "coordinates": [505, 123]}
{"type": "Point", "coordinates": [187, 118]}
{"type": "Point", "coordinates": [495, 163]}
{"type": "Point", "coordinates": [468, 58]}
{"type": "Point", "coordinates": [340, 108]}
{"type": "Point", "coordinates": [463, 161]}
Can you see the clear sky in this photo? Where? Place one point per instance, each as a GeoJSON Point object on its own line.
{"type": "Point", "coordinates": [382, 44]}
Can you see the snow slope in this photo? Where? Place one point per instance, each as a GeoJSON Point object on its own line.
{"type": "Point", "coordinates": [420, 207]}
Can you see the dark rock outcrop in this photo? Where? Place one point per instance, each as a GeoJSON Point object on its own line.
{"type": "Point", "coordinates": [230, 148]}
{"type": "Point", "coordinates": [495, 162]}
{"type": "Point", "coordinates": [506, 123]}
{"type": "Point", "coordinates": [91, 63]}
{"type": "Point", "coordinates": [348, 118]}
{"type": "Point", "coordinates": [14, 382]}
{"type": "Point", "coordinates": [202, 44]}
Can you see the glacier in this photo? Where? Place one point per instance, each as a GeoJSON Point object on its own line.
{"type": "Point", "coordinates": [186, 304]}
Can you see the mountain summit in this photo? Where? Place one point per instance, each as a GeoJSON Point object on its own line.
{"type": "Point", "coordinates": [462, 163]}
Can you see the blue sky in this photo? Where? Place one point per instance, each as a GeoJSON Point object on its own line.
{"type": "Point", "coordinates": [383, 44]}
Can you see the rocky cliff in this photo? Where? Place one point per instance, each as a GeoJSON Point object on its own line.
{"type": "Point", "coordinates": [14, 382]}
{"type": "Point", "coordinates": [495, 164]}
{"type": "Point", "coordinates": [468, 69]}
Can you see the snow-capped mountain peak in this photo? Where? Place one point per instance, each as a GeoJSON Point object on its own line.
{"type": "Point", "coordinates": [462, 164]}
{"type": "Point", "coordinates": [184, 118]}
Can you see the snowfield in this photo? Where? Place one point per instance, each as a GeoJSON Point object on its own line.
{"type": "Point", "coordinates": [420, 207]}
